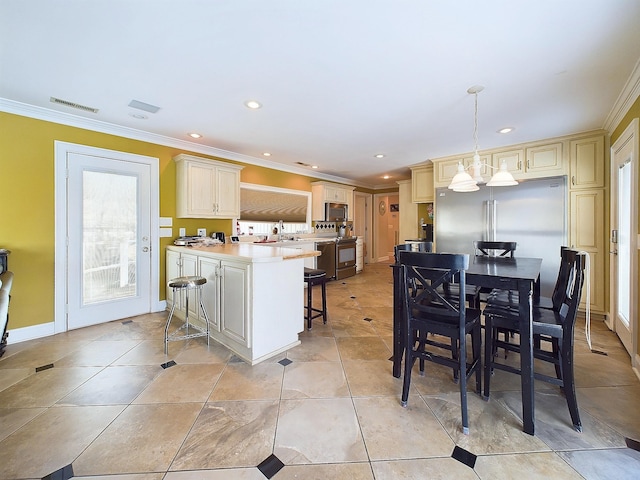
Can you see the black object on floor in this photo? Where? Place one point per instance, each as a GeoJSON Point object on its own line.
{"type": "Point", "coordinates": [65, 473]}
{"type": "Point", "coordinates": [464, 456]}
{"type": "Point", "coordinates": [632, 444]}
{"type": "Point", "coordinates": [170, 363]}
{"type": "Point", "coordinates": [126, 322]}
{"type": "Point", "coordinates": [44, 367]}
{"type": "Point", "coordinates": [285, 361]}
{"type": "Point", "coordinates": [270, 466]}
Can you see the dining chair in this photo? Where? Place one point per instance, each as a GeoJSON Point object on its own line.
{"type": "Point", "coordinates": [509, 298]}
{"type": "Point", "coordinates": [494, 249]}
{"type": "Point", "coordinates": [555, 326]}
{"type": "Point", "coordinates": [427, 311]}
{"type": "Point", "coordinates": [424, 247]}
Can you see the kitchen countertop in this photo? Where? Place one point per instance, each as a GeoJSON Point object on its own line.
{"type": "Point", "coordinates": [266, 252]}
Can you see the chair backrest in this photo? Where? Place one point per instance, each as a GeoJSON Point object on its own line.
{"type": "Point", "coordinates": [572, 288]}
{"type": "Point", "coordinates": [423, 247]}
{"type": "Point", "coordinates": [557, 297]}
{"type": "Point", "coordinates": [424, 277]}
{"type": "Point", "coordinates": [499, 249]}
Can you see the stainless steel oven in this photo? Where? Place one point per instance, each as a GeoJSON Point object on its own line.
{"type": "Point", "coordinates": [327, 259]}
{"type": "Point", "coordinates": [345, 258]}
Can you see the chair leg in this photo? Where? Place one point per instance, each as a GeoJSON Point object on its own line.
{"type": "Point", "coordinates": [166, 327]}
{"type": "Point", "coordinates": [422, 342]}
{"type": "Point", "coordinates": [462, 362]}
{"type": "Point", "coordinates": [309, 313]}
{"type": "Point", "coordinates": [409, 360]}
{"type": "Point", "coordinates": [324, 301]}
{"type": "Point", "coordinates": [569, 386]}
{"type": "Point", "coordinates": [456, 356]}
{"type": "Point", "coordinates": [488, 355]}
{"type": "Point", "coordinates": [204, 313]}
{"type": "Point", "coordinates": [476, 347]}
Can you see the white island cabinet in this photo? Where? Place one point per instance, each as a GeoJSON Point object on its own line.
{"type": "Point", "coordinates": [254, 295]}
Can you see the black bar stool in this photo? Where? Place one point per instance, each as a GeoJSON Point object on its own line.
{"type": "Point", "coordinates": [179, 285]}
{"type": "Point", "coordinates": [313, 276]}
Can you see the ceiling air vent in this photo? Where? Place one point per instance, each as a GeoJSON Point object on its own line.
{"type": "Point", "coordinates": [67, 103]}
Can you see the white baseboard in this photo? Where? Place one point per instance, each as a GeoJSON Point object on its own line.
{"type": "Point", "coordinates": [17, 335]}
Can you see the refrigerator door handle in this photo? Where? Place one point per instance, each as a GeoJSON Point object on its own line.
{"type": "Point", "coordinates": [490, 224]}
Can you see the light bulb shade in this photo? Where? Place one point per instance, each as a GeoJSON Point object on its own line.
{"type": "Point", "coordinates": [502, 178]}
{"type": "Point", "coordinates": [461, 179]}
{"type": "Point", "coordinates": [467, 188]}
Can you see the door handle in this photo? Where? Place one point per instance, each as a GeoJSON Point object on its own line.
{"type": "Point", "coordinates": [615, 252]}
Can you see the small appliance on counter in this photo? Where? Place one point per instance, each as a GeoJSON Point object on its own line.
{"type": "Point", "coordinates": [345, 230]}
{"type": "Point", "coordinates": [185, 241]}
{"type": "Point", "coordinates": [218, 236]}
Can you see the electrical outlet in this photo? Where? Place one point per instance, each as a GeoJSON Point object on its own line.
{"type": "Point", "coordinates": [202, 232]}
{"type": "Point", "coordinates": [183, 232]}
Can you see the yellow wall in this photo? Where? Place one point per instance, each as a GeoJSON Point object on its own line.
{"type": "Point", "coordinates": [27, 200]}
{"type": "Point", "coordinates": [634, 112]}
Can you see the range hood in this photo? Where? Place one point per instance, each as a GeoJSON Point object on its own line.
{"type": "Point", "coordinates": [271, 206]}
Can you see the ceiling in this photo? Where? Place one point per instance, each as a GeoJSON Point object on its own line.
{"type": "Point", "coordinates": [339, 81]}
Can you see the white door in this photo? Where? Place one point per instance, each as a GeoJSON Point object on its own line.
{"type": "Point", "coordinates": [623, 278]}
{"type": "Point", "coordinates": [107, 228]}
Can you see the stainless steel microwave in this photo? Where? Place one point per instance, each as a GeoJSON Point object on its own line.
{"type": "Point", "coordinates": [335, 212]}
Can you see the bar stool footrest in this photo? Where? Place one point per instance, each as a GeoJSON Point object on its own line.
{"type": "Point", "coordinates": [174, 337]}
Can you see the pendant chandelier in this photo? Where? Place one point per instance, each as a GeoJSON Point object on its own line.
{"type": "Point", "coordinates": [468, 181]}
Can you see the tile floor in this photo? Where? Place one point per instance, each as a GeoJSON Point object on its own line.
{"type": "Point", "coordinates": [109, 409]}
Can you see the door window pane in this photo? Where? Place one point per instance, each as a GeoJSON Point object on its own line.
{"type": "Point", "coordinates": [109, 234]}
{"type": "Point", "coordinates": [624, 245]}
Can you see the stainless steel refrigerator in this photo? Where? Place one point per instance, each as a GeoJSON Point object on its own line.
{"type": "Point", "coordinates": [532, 213]}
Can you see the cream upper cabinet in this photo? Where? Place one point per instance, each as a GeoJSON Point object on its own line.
{"type": "Point", "coordinates": [206, 188]}
{"type": "Point", "coordinates": [514, 160]}
{"type": "Point", "coordinates": [323, 192]}
{"type": "Point", "coordinates": [408, 215]}
{"type": "Point", "coordinates": [445, 169]}
{"type": "Point", "coordinates": [543, 161]}
{"type": "Point", "coordinates": [422, 184]}
{"type": "Point", "coordinates": [587, 164]}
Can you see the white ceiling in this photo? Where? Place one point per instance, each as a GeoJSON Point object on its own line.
{"type": "Point", "coordinates": [339, 80]}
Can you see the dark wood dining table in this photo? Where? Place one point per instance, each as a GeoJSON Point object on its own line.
{"type": "Point", "coordinates": [519, 274]}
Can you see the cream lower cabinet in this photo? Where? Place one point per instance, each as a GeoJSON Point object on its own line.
{"type": "Point", "coordinates": [586, 233]}
{"type": "Point", "coordinates": [234, 303]}
{"type": "Point", "coordinates": [255, 308]}
{"type": "Point", "coordinates": [224, 295]}
{"type": "Point", "coordinates": [178, 266]}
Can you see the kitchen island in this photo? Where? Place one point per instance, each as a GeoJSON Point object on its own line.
{"type": "Point", "coordinates": [254, 295]}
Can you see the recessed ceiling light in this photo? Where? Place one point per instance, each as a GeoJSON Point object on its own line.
{"type": "Point", "coordinates": [195, 135]}
{"type": "Point", "coordinates": [252, 104]}
{"type": "Point", "coordinates": [386, 177]}
{"type": "Point", "coordinates": [139, 116]}
{"type": "Point", "coordinates": [506, 130]}
{"type": "Point", "coordinates": [314, 166]}
{"type": "Point", "coordinates": [379, 155]}
{"type": "Point", "coordinates": [266, 154]}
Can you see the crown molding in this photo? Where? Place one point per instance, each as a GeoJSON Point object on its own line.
{"type": "Point", "coordinates": [628, 96]}
{"type": "Point", "coordinates": [48, 115]}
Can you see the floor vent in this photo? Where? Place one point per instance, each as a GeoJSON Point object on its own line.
{"type": "Point", "coordinates": [67, 103]}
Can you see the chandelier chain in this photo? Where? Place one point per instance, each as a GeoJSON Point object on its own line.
{"type": "Point", "coordinates": [475, 122]}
